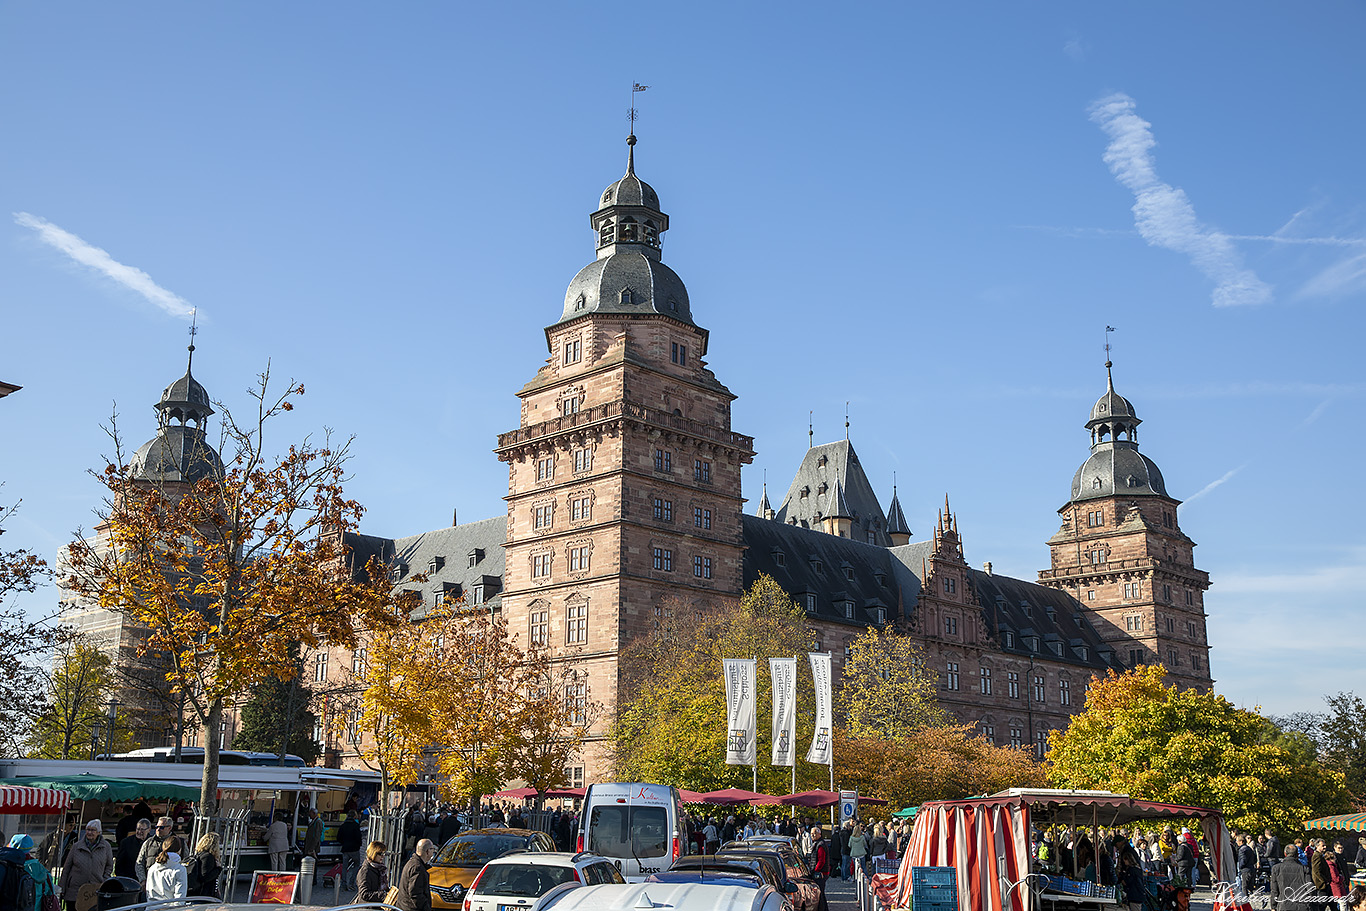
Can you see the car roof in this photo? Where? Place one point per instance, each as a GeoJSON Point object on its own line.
{"type": "Point", "coordinates": [494, 830]}
{"type": "Point", "coordinates": [747, 878]}
{"type": "Point", "coordinates": [550, 857]}
{"type": "Point", "coordinates": [688, 896]}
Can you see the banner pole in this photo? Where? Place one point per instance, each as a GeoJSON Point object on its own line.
{"type": "Point", "coordinates": [793, 739]}
{"type": "Point", "coordinates": [754, 767]}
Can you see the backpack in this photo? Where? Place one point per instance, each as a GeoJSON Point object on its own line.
{"type": "Point", "coordinates": [18, 892]}
{"type": "Point", "coordinates": [194, 875]}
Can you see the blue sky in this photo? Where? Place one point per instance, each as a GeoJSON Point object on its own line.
{"type": "Point", "coordinates": [930, 212]}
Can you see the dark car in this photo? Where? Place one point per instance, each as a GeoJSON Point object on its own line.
{"type": "Point", "coordinates": [764, 868]}
{"type": "Point", "coordinates": [793, 871]}
{"type": "Point", "coordinates": [724, 876]}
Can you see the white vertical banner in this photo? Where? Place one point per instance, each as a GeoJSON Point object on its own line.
{"type": "Point", "coordinates": [822, 750]}
{"type": "Point", "coordinates": [783, 672]}
{"type": "Point", "coordinates": [741, 698]}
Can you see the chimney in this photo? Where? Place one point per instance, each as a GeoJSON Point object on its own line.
{"type": "Point", "coordinates": [986, 567]}
{"type": "Point", "coordinates": [454, 521]}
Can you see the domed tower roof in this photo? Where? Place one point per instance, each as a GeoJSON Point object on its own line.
{"type": "Point", "coordinates": [1115, 467]}
{"type": "Point", "coordinates": [628, 277]}
{"type": "Point", "coordinates": [179, 451]}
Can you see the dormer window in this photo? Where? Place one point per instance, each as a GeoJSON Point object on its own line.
{"type": "Point", "coordinates": [475, 556]}
{"type": "Point", "coordinates": [849, 573]}
{"type": "Point", "coordinates": [580, 302]}
{"type": "Point", "coordinates": [1095, 483]}
{"type": "Point", "coordinates": [818, 566]}
{"type": "Point", "coordinates": [1008, 639]}
{"type": "Point", "coordinates": [880, 578]}
{"type": "Point", "coordinates": [673, 305]}
{"type": "Point", "coordinates": [804, 492]}
{"type": "Point", "coordinates": [1055, 648]}
{"type": "Point", "coordinates": [1032, 643]}
{"type": "Point", "coordinates": [820, 463]}
{"type": "Point", "coordinates": [879, 615]}
{"type": "Point", "coordinates": [779, 558]}
{"type": "Point", "coordinates": [627, 297]}
{"type": "Point", "coordinates": [846, 609]}
{"type": "Point", "coordinates": [1083, 653]}
{"type": "Point", "coordinates": [823, 488]}
{"type": "Point", "coordinates": [435, 564]}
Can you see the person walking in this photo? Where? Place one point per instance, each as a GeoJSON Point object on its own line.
{"type": "Point", "coordinates": [350, 840]}
{"type": "Point", "coordinates": [277, 843]}
{"type": "Point", "coordinates": [1183, 860]}
{"type": "Point", "coordinates": [1318, 870]}
{"type": "Point", "coordinates": [313, 841]}
{"type": "Point", "coordinates": [89, 863]}
{"type": "Point", "coordinates": [858, 850]}
{"type": "Point", "coordinates": [21, 851]}
{"type": "Point", "coordinates": [372, 880]}
{"type": "Point", "coordinates": [126, 858]}
{"type": "Point", "coordinates": [151, 847]}
{"type": "Point", "coordinates": [820, 868]}
{"type": "Point", "coordinates": [167, 879]}
{"type": "Point", "coordinates": [1248, 863]}
{"type": "Point", "coordinates": [414, 884]}
{"type": "Point", "coordinates": [1337, 880]}
{"type": "Point", "coordinates": [1289, 883]}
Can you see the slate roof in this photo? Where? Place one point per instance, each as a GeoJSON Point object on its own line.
{"type": "Point", "coordinates": [177, 453]}
{"type": "Point", "coordinates": [451, 574]}
{"type": "Point", "coordinates": [813, 492]}
{"type": "Point", "coordinates": [896, 519]}
{"type": "Point", "coordinates": [842, 570]}
{"type": "Point", "coordinates": [1117, 468]}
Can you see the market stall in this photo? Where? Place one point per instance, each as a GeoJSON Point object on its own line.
{"type": "Point", "coordinates": [987, 840]}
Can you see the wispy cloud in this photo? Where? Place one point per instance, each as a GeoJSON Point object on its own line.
{"type": "Point", "coordinates": [1206, 391]}
{"type": "Point", "coordinates": [1316, 413]}
{"type": "Point", "coordinates": [1213, 484]}
{"type": "Point", "coordinates": [1163, 214]}
{"type": "Point", "coordinates": [131, 277]}
{"type": "Point", "coordinates": [1340, 278]}
{"type": "Point", "coordinates": [1330, 241]}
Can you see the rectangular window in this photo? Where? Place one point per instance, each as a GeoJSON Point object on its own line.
{"type": "Point", "coordinates": [477, 594]}
{"type": "Point", "coordinates": [576, 703]}
{"type": "Point", "coordinates": [847, 608]}
{"type": "Point", "coordinates": [1190, 598]}
{"type": "Point", "coordinates": [570, 406]}
{"type": "Point", "coordinates": [540, 626]}
{"type": "Point", "coordinates": [1091, 594]}
{"type": "Point", "coordinates": [780, 558]}
{"type": "Point", "coordinates": [989, 733]}
{"type": "Point", "coordinates": [1095, 519]}
{"type": "Point", "coordinates": [679, 355]}
{"type": "Point", "coordinates": [320, 668]}
{"type": "Point", "coordinates": [701, 471]}
{"type": "Point", "coordinates": [1016, 737]}
{"type": "Point", "coordinates": [583, 460]}
{"type": "Point", "coordinates": [540, 566]}
{"type": "Point", "coordinates": [1167, 519]}
{"type": "Point", "coordinates": [1038, 690]}
{"type": "Point", "coordinates": [1135, 656]}
{"type": "Point", "coordinates": [951, 626]}
{"type": "Point", "coordinates": [986, 681]}
{"type": "Point", "coordinates": [664, 510]}
{"type": "Point", "coordinates": [1172, 659]}
{"type": "Point", "coordinates": [575, 776]}
{"type": "Point", "coordinates": [950, 586]}
{"type": "Point", "coordinates": [580, 509]}
{"type": "Point", "coordinates": [810, 600]}
{"type": "Point", "coordinates": [1190, 629]}
{"type": "Point", "coordinates": [578, 559]}
{"type": "Point", "coordinates": [543, 516]}
{"type": "Point", "coordinates": [1171, 625]}
{"type": "Point", "coordinates": [664, 559]}
{"type": "Point", "coordinates": [701, 567]}
{"type": "Point", "coordinates": [358, 658]}
{"type": "Point", "coordinates": [1013, 683]}
{"type": "Point", "coordinates": [545, 469]}
{"type": "Point", "coordinates": [1040, 744]}
{"type": "Point", "coordinates": [701, 518]}
{"type": "Point", "coordinates": [1133, 589]}
{"type": "Point", "coordinates": [1195, 661]}
{"type": "Point", "coordinates": [1097, 556]}
{"type": "Point", "coordinates": [572, 352]}
{"type": "Point", "coordinates": [1133, 624]}
{"type": "Point", "coordinates": [1065, 691]}
{"type": "Point", "coordinates": [1167, 593]}
{"type": "Point", "coordinates": [952, 675]}
{"type": "Point", "coordinates": [576, 624]}
{"type": "Point", "coordinates": [664, 460]}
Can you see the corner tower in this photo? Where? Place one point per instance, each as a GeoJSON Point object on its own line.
{"type": "Point", "coordinates": [624, 474]}
{"type": "Point", "coordinates": [1121, 552]}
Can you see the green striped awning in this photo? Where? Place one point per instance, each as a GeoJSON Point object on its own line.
{"type": "Point", "coordinates": [1346, 822]}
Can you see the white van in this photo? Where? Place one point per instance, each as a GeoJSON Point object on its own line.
{"type": "Point", "coordinates": [641, 828]}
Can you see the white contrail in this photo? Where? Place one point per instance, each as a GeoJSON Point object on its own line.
{"type": "Point", "coordinates": [1212, 484]}
{"type": "Point", "coordinates": [86, 254]}
{"type": "Point", "coordinates": [1163, 214]}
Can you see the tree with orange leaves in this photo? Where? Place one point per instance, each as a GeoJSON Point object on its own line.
{"type": "Point", "coordinates": [229, 569]}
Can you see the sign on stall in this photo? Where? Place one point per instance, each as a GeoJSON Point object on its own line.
{"type": "Point", "coordinates": [274, 887]}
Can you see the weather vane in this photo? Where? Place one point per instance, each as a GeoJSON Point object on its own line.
{"type": "Point", "coordinates": [635, 87]}
{"type": "Point", "coordinates": [194, 330]}
{"type": "Point", "coordinates": [1108, 330]}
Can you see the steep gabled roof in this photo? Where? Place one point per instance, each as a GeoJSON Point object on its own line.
{"type": "Point", "coordinates": [815, 489]}
{"type": "Point", "coordinates": [896, 519]}
{"type": "Point", "coordinates": [444, 554]}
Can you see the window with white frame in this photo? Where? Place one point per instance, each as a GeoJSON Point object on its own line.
{"type": "Point", "coordinates": [540, 566]}
{"type": "Point", "coordinates": [583, 459]}
{"type": "Point", "coordinates": [580, 509]}
{"type": "Point", "coordinates": [320, 667]}
{"type": "Point", "coordinates": [1065, 691]}
{"type": "Point", "coordinates": [358, 658]}
{"type": "Point", "coordinates": [1013, 684]}
{"type": "Point", "coordinates": [701, 518]}
{"type": "Point", "coordinates": [664, 559]}
{"type": "Point", "coordinates": [545, 468]}
{"type": "Point", "coordinates": [1016, 737]}
{"type": "Point", "coordinates": [951, 677]}
{"type": "Point", "coordinates": [573, 351]}
{"type": "Point", "coordinates": [985, 685]}
{"type": "Point", "coordinates": [543, 516]}
{"type": "Point", "coordinates": [576, 623]}
{"type": "Point", "coordinates": [570, 406]}
{"type": "Point", "coordinates": [578, 559]}
{"type": "Point", "coordinates": [576, 703]}
{"type": "Point", "coordinates": [1039, 690]}
{"type": "Point", "coordinates": [540, 624]}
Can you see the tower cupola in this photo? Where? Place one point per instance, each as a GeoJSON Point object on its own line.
{"type": "Point", "coordinates": [1115, 467]}
{"type": "Point", "coordinates": [179, 452]}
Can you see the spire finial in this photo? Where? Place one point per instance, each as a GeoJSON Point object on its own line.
{"type": "Point", "coordinates": [194, 330]}
{"type": "Point", "coordinates": [846, 422]}
{"type": "Point", "coordinates": [631, 139]}
{"type": "Point", "coordinates": [893, 484]}
{"type": "Point", "coordinates": [810, 429]}
{"type": "Point", "coordinates": [1109, 380]}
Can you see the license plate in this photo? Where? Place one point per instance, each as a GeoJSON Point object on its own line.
{"type": "Point", "coordinates": [512, 908]}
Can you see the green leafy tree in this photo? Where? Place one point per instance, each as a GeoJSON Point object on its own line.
{"type": "Point", "coordinates": [23, 641]}
{"type": "Point", "coordinates": [1140, 737]}
{"type": "Point", "coordinates": [278, 711]}
{"type": "Point", "coordinates": [671, 716]}
{"type": "Point", "coordinates": [74, 718]}
{"type": "Point", "coordinates": [887, 691]}
{"type": "Point", "coordinates": [1343, 738]}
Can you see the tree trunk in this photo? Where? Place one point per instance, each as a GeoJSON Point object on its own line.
{"type": "Point", "coordinates": [208, 788]}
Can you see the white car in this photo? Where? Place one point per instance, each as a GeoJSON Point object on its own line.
{"type": "Point", "coordinates": [519, 881]}
{"type": "Point", "coordinates": [667, 897]}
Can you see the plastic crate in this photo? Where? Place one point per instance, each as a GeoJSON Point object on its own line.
{"type": "Point", "coordinates": [934, 889]}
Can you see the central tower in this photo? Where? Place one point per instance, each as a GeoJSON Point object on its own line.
{"type": "Point", "coordinates": [624, 475]}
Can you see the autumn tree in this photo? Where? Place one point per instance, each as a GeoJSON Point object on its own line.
{"type": "Point", "coordinates": [1140, 737]}
{"type": "Point", "coordinates": [23, 642]}
{"type": "Point", "coordinates": [943, 762]}
{"type": "Point", "coordinates": [887, 691]}
{"type": "Point", "coordinates": [671, 713]}
{"type": "Point", "coordinates": [232, 567]}
{"type": "Point", "coordinates": [551, 719]}
{"type": "Point", "coordinates": [74, 717]}
{"type": "Point", "coordinates": [1344, 741]}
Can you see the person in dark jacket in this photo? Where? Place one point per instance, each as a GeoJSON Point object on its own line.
{"type": "Point", "coordinates": [1131, 880]}
{"type": "Point", "coordinates": [1289, 878]}
{"type": "Point", "coordinates": [372, 880]}
{"type": "Point", "coordinates": [1318, 871]}
{"type": "Point", "coordinates": [126, 858]}
{"type": "Point", "coordinates": [820, 867]}
{"type": "Point", "coordinates": [350, 840]}
{"type": "Point", "coordinates": [1184, 861]}
{"type": "Point", "coordinates": [414, 885]}
{"type": "Point", "coordinates": [450, 827]}
{"type": "Point", "coordinates": [1248, 862]}
{"type": "Point", "coordinates": [1274, 852]}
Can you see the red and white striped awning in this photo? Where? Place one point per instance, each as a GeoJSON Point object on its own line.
{"type": "Point", "coordinates": [15, 799]}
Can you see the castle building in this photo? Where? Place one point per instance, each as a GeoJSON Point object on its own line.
{"type": "Point", "coordinates": [624, 501]}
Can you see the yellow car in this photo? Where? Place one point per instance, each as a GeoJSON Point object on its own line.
{"type": "Point", "coordinates": [459, 861]}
